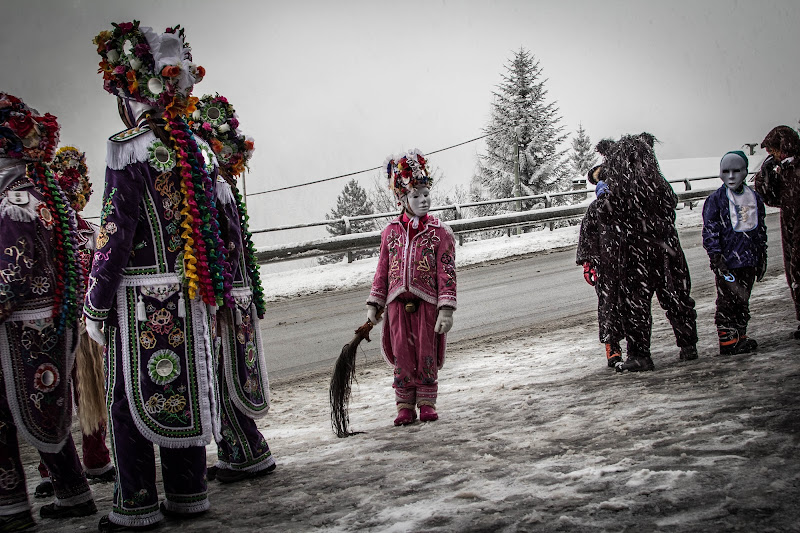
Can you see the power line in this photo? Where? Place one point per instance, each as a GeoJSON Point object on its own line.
{"type": "Point", "coordinates": [365, 170]}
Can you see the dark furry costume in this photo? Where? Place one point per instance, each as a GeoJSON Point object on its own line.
{"type": "Point", "coordinates": [778, 183]}
{"type": "Point", "coordinates": [641, 206]}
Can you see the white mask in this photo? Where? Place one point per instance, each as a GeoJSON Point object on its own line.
{"type": "Point", "coordinates": [418, 202]}
{"type": "Point", "coordinates": [732, 171]}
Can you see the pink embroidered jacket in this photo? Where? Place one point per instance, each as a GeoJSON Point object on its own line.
{"type": "Point", "coordinates": [425, 268]}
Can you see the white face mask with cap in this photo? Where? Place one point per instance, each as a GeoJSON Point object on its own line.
{"type": "Point", "coordinates": [732, 171]}
{"type": "Point", "coordinates": [417, 203]}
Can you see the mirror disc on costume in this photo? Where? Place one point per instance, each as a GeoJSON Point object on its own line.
{"type": "Point", "coordinates": [162, 154]}
{"type": "Point", "coordinates": [164, 368]}
{"type": "Point", "coordinates": [155, 86]}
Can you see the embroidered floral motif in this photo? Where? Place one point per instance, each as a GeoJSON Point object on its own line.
{"type": "Point", "coordinates": [9, 478]}
{"type": "Point", "coordinates": [38, 338]}
{"type": "Point", "coordinates": [167, 409]}
{"type": "Point", "coordinates": [449, 268]}
{"type": "Point", "coordinates": [252, 387]}
{"type": "Point", "coordinates": [428, 374]}
{"type": "Point", "coordinates": [139, 497]}
{"type": "Point", "coordinates": [174, 403]}
{"type": "Point", "coordinates": [147, 339]}
{"type": "Point", "coordinates": [164, 367]}
{"type": "Point", "coordinates": [108, 207]}
{"type": "Point", "coordinates": [175, 337]}
{"type": "Point", "coordinates": [111, 228]}
{"type": "Point", "coordinates": [40, 285]}
{"type": "Point", "coordinates": [102, 238]}
{"type": "Point", "coordinates": [46, 378]}
{"type": "Point", "coordinates": [245, 330]}
{"type": "Point", "coordinates": [154, 404]}
{"type": "Point", "coordinates": [161, 321]}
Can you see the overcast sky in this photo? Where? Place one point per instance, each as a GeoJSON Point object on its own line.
{"type": "Point", "coordinates": [328, 88]}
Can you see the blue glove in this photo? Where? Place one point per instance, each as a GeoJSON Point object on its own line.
{"type": "Point", "coordinates": [601, 188]}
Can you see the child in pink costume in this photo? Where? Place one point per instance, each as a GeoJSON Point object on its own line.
{"type": "Point", "coordinates": [416, 283]}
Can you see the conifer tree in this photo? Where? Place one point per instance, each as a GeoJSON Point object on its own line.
{"type": "Point", "coordinates": [352, 201]}
{"type": "Point", "coordinates": [583, 156]}
{"type": "Point", "coordinates": [521, 114]}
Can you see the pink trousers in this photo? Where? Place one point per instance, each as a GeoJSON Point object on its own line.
{"type": "Point", "coordinates": [416, 351]}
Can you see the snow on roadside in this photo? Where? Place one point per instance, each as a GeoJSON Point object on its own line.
{"type": "Point", "coordinates": [343, 276]}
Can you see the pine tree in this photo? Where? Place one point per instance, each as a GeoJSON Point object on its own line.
{"type": "Point", "coordinates": [351, 202]}
{"type": "Point", "coordinates": [583, 156]}
{"type": "Point", "coordinates": [520, 114]}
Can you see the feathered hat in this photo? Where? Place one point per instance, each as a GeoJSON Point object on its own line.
{"type": "Point", "coordinates": [406, 172]}
{"type": "Point", "coordinates": [72, 174]}
{"type": "Point", "coordinates": [24, 133]}
{"type": "Point", "coordinates": [140, 64]}
{"type": "Point", "coordinates": [215, 121]}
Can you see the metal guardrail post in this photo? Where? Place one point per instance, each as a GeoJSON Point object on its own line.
{"type": "Point", "coordinates": [457, 209]}
{"type": "Point", "coordinates": [548, 202]}
{"type": "Point", "coordinates": [346, 221]}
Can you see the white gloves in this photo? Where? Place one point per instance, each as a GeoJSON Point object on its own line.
{"type": "Point", "coordinates": [372, 314]}
{"type": "Point", "coordinates": [444, 321]}
{"type": "Point", "coordinates": [95, 331]}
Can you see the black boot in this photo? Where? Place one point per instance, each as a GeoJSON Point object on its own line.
{"type": "Point", "coordinates": [688, 353]}
{"type": "Point", "coordinates": [613, 354]}
{"type": "Point", "coordinates": [733, 341]}
{"type": "Point", "coordinates": [53, 510]}
{"type": "Point", "coordinates": [633, 363]}
{"type": "Point", "coordinates": [44, 489]}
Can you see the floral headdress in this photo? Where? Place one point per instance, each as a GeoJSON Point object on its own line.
{"type": "Point", "coordinates": [157, 70]}
{"type": "Point", "coordinates": [24, 133]}
{"type": "Point", "coordinates": [406, 172]}
{"type": "Point", "coordinates": [72, 174]}
{"type": "Point", "coordinates": [154, 69]}
{"type": "Point", "coordinates": [215, 121]}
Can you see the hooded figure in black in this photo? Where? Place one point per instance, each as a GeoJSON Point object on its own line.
{"type": "Point", "coordinates": [598, 248]}
{"type": "Point", "coordinates": [641, 204]}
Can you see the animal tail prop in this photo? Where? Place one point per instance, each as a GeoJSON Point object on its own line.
{"type": "Point", "coordinates": [344, 373]}
{"type": "Point", "coordinates": [91, 385]}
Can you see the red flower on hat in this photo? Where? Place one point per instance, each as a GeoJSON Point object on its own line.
{"type": "Point", "coordinates": [21, 124]}
{"type": "Point", "coordinates": [125, 27]}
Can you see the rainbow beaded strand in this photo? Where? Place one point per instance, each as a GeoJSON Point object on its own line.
{"type": "Point", "coordinates": [68, 279]}
{"type": "Point", "coordinates": [213, 275]}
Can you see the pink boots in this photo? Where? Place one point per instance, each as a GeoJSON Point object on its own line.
{"type": "Point", "coordinates": [405, 416]}
{"type": "Point", "coordinates": [427, 413]}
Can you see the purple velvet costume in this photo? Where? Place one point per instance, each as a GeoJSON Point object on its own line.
{"type": "Point", "coordinates": [159, 352]}
{"type": "Point", "coordinates": [36, 399]}
{"type": "Point", "coordinates": [242, 374]}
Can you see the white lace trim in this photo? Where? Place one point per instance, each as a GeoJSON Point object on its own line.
{"type": "Point", "coordinates": [121, 154]}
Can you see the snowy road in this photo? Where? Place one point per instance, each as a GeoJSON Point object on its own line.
{"type": "Point", "coordinates": [535, 293]}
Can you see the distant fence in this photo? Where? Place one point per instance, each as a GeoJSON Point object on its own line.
{"type": "Point", "coordinates": [359, 241]}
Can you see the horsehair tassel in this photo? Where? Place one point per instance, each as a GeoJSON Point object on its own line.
{"type": "Point", "coordinates": [141, 310]}
{"type": "Point", "coordinates": [181, 306]}
{"type": "Point", "coordinates": [238, 316]}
